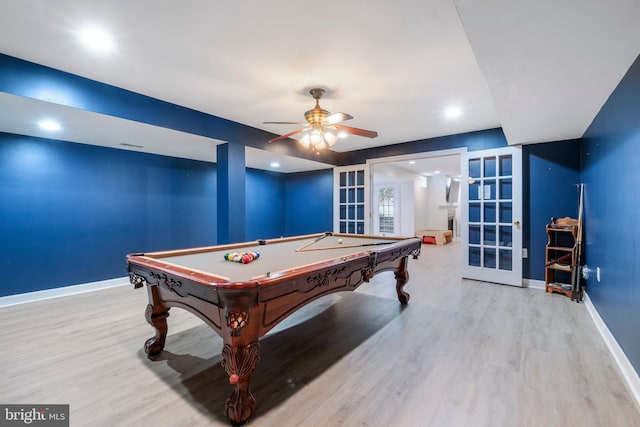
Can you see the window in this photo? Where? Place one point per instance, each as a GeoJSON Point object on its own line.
{"type": "Point", "coordinates": [386, 214]}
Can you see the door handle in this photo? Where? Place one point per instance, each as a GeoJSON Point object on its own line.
{"type": "Point", "coordinates": [517, 224]}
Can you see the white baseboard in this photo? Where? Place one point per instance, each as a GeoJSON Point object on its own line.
{"type": "Point", "coordinates": [534, 284]}
{"type": "Point", "coordinates": [628, 372]}
{"type": "Point", "coordinates": [62, 292]}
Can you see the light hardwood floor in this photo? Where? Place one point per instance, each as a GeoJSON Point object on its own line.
{"type": "Point", "coordinates": [462, 353]}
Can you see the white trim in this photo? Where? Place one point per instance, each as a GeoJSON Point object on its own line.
{"type": "Point", "coordinates": [419, 155]}
{"type": "Point", "coordinates": [533, 284]}
{"type": "Point", "coordinates": [62, 292]}
{"type": "Point", "coordinates": [626, 368]}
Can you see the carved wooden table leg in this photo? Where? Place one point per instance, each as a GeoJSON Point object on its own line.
{"type": "Point", "coordinates": [239, 362]}
{"type": "Point", "coordinates": [156, 315]}
{"type": "Point", "coordinates": [402, 277]}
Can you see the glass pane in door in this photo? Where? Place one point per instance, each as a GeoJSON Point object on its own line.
{"type": "Point", "coordinates": [386, 214]}
{"type": "Point", "coordinates": [492, 238]}
{"type": "Point", "coordinates": [351, 202]}
{"type": "Point", "coordinates": [489, 222]}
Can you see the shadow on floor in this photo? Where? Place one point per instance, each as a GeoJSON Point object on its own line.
{"type": "Point", "coordinates": [300, 349]}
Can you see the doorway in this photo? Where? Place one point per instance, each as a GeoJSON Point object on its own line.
{"type": "Point", "coordinates": [427, 190]}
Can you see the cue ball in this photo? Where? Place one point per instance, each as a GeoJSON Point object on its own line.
{"type": "Point", "coordinates": [339, 241]}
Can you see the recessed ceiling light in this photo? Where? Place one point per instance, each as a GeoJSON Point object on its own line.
{"type": "Point", "coordinates": [96, 39]}
{"type": "Point", "coordinates": [436, 172]}
{"type": "Point", "coordinates": [275, 164]}
{"type": "Point", "coordinates": [453, 112]}
{"type": "Point", "coordinates": [412, 162]}
{"type": "Point", "coordinates": [342, 134]}
{"type": "Point", "coordinates": [49, 125]}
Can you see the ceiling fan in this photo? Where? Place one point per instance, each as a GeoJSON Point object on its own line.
{"type": "Point", "coordinates": [322, 128]}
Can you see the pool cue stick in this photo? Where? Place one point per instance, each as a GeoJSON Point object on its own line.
{"type": "Point", "coordinates": [577, 288]}
{"type": "Point", "coordinates": [316, 240]}
{"type": "Point", "coordinates": [562, 258]}
{"type": "Point", "coordinates": [345, 246]}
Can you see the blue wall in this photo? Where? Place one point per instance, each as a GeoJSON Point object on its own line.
{"type": "Point", "coordinates": [288, 204]}
{"type": "Point", "coordinates": [69, 213]}
{"type": "Point", "coordinates": [611, 171]}
{"type": "Point", "coordinates": [277, 204]}
{"type": "Point", "coordinates": [309, 202]}
{"type": "Point", "coordinates": [32, 80]}
{"type": "Point", "coordinates": [550, 174]}
{"type": "Point", "coordinates": [265, 193]}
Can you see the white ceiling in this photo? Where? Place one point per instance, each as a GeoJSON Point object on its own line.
{"type": "Point", "coordinates": [540, 70]}
{"type": "Point", "coordinates": [448, 165]}
{"type": "Point", "coordinates": [20, 115]}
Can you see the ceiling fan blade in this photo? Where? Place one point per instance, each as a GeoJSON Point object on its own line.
{"type": "Point", "coordinates": [284, 123]}
{"type": "Point", "coordinates": [337, 118]}
{"type": "Point", "coordinates": [287, 135]}
{"type": "Point", "coordinates": [356, 131]}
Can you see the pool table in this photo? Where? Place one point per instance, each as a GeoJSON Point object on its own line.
{"type": "Point", "coordinates": [242, 302]}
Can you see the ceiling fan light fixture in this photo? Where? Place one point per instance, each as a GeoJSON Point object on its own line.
{"type": "Point", "coordinates": [322, 128]}
{"type": "Point", "coordinates": [305, 140]}
{"type": "Point", "coordinates": [320, 146]}
{"type": "Point", "coordinates": [330, 138]}
{"type": "Point", "coordinates": [315, 138]}
{"type": "Point", "coordinates": [318, 139]}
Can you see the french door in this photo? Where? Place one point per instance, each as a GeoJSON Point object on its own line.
{"type": "Point", "coordinates": [491, 215]}
{"type": "Point", "coordinates": [351, 199]}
